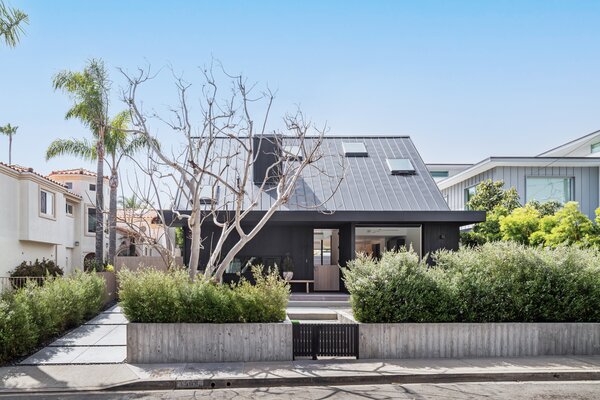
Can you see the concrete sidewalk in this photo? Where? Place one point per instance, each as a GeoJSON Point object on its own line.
{"type": "Point", "coordinates": [46, 378]}
{"type": "Point", "coordinates": [102, 340]}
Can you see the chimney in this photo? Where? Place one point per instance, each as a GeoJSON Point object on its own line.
{"type": "Point", "coordinates": [267, 152]}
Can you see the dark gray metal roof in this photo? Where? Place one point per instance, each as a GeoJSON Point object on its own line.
{"type": "Point", "coordinates": [367, 182]}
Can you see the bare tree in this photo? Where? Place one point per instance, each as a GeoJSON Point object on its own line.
{"type": "Point", "coordinates": [213, 174]}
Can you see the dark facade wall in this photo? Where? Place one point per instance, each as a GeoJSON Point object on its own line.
{"type": "Point", "coordinates": [440, 236]}
{"type": "Point", "coordinates": [271, 241]}
{"type": "Point", "coordinates": [277, 241]}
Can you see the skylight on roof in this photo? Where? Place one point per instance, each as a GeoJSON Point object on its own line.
{"type": "Point", "coordinates": [400, 166]}
{"type": "Point", "coordinates": [292, 151]}
{"type": "Point", "coordinates": [209, 194]}
{"type": "Point", "coordinates": [355, 149]}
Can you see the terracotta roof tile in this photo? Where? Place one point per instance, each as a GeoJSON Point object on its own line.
{"type": "Point", "coordinates": [75, 171]}
{"type": "Point", "coordinates": [28, 170]}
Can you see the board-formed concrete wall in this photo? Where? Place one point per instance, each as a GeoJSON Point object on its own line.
{"type": "Point", "coordinates": [179, 343]}
{"type": "Point", "coordinates": [458, 340]}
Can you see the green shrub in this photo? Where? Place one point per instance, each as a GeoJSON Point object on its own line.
{"type": "Point", "coordinates": [497, 282]}
{"type": "Point", "coordinates": [18, 333]}
{"type": "Point", "coordinates": [33, 314]}
{"type": "Point", "coordinates": [157, 296]}
{"type": "Point", "coordinates": [397, 288]}
{"type": "Point", "coordinates": [265, 300]}
{"type": "Point", "coordinates": [37, 268]}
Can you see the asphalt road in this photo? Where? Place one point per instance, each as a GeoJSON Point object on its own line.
{"type": "Point", "coordinates": [506, 390]}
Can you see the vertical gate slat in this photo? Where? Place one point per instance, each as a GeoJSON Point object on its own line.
{"type": "Point", "coordinates": [329, 340]}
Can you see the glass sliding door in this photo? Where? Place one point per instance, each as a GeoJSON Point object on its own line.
{"type": "Point", "coordinates": [374, 240]}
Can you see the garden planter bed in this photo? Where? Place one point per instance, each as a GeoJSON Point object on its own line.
{"type": "Point", "coordinates": [181, 342]}
{"type": "Point", "coordinates": [471, 340]}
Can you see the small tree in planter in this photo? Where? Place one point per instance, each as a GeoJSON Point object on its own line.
{"type": "Point", "coordinates": [287, 267]}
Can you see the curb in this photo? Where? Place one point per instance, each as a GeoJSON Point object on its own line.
{"type": "Point", "coordinates": [233, 383]}
{"type": "Point", "coordinates": [340, 380]}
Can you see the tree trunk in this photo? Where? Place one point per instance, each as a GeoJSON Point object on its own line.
{"type": "Point", "coordinates": [112, 217]}
{"type": "Point", "coordinates": [100, 201]}
{"type": "Point", "coordinates": [9, 149]}
{"type": "Point", "coordinates": [195, 244]}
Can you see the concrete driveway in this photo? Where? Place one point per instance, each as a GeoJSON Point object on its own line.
{"type": "Point", "coordinates": [101, 340]}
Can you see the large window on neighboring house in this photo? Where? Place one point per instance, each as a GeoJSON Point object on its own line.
{"type": "Point", "coordinates": [545, 189]}
{"type": "Point", "coordinates": [46, 203]}
{"type": "Point", "coordinates": [439, 174]}
{"type": "Point", "coordinates": [469, 193]}
{"type": "Point", "coordinates": [595, 148]}
{"type": "Point", "coordinates": [91, 220]}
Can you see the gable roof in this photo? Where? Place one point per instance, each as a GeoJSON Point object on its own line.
{"type": "Point", "coordinates": [576, 145]}
{"type": "Point", "coordinates": [367, 183]}
{"type": "Point", "coordinates": [539, 162]}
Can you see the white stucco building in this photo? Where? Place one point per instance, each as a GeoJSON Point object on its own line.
{"type": "Point", "coordinates": [41, 218]}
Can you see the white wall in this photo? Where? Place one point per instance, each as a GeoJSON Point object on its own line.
{"type": "Point", "coordinates": [24, 233]}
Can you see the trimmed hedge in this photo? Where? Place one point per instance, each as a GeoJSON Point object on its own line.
{"type": "Point", "coordinates": [33, 314]}
{"type": "Point", "coordinates": [162, 297]}
{"type": "Point", "coordinates": [497, 282]}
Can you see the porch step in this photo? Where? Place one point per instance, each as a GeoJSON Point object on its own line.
{"type": "Point", "coordinates": [324, 300]}
{"type": "Point", "coordinates": [311, 314]}
{"type": "Point", "coordinates": [316, 303]}
{"type": "Point", "coordinates": [319, 297]}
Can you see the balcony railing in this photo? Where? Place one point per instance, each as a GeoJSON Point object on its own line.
{"type": "Point", "coordinates": [8, 283]}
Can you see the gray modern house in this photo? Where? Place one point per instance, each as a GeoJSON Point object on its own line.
{"type": "Point", "coordinates": [569, 172]}
{"type": "Point", "coordinates": [387, 199]}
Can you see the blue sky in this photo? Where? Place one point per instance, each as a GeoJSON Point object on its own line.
{"type": "Point", "coordinates": [466, 79]}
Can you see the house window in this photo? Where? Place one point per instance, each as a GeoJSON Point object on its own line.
{"type": "Point", "coordinates": [92, 187]}
{"type": "Point", "coordinates": [375, 240]}
{"type": "Point", "coordinates": [46, 203]}
{"type": "Point", "coordinates": [91, 220]}
{"type": "Point", "coordinates": [69, 209]}
{"type": "Point", "coordinates": [595, 148]}
{"type": "Point", "coordinates": [69, 185]}
{"type": "Point", "coordinates": [545, 189]}
{"type": "Point", "coordinates": [292, 152]}
{"type": "Point", "coordinates": [234, 266]}
{"type": "Point", "coordinates": [469, 193]}
{"type": "Point", "coordinates": [439, 174]}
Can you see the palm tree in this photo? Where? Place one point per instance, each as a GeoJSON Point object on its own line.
{"type": "Point", "coordinates": [9, 131]}
{"type": "Point", "coordinates": [131, 203]}
{"type": "Point", "coordinates": [118, 144]}
{"type": "Point", "coordinates": [89, 90]}
{"type": "Point", "coordinates": [11, 24]}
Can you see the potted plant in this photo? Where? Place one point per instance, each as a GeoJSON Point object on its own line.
{"type": "Point", "coordinates": [287, 267]}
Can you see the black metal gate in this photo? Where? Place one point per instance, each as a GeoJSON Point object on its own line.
{"type": "Point", "coordinates": [329, 340]}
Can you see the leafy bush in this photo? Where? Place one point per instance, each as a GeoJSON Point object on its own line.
{"type": "Point", "coordinates": [37, 269]}
{"type": "Point", "coordinates": [33, 314]}
{"type": "Point", "coordinates": [157, 296]}
{"type": "Point", "coordinates": [91, 265]}
{"type": "Point", "coordinates": [497, 282]}
{"type": "Point", "coordinates": [397, 288]}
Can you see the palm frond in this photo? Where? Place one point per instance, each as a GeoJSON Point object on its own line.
{"type": "Point", "coordinates": [81, 148]}
{"type": "Point", "coordinates": [8, 129]}
{"type": "Point", "coordinates": [11, 24]}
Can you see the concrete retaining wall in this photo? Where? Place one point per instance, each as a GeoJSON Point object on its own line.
{"type": "Point", "coordinates": [458, 340]}
{"type": "Point", "coordinates": [178, 343]}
